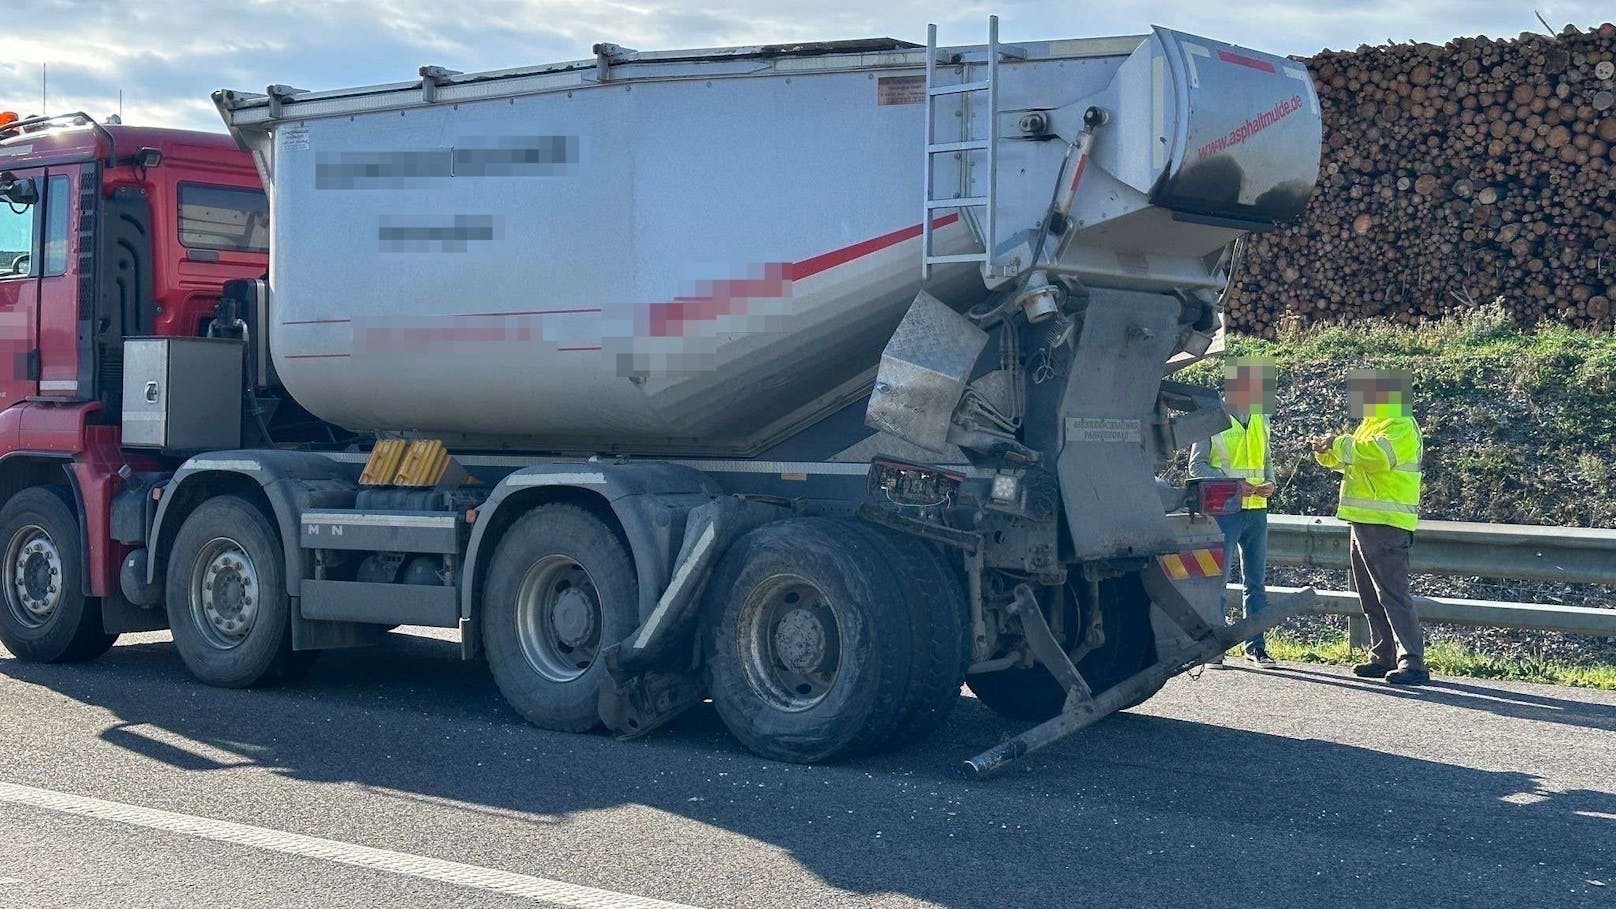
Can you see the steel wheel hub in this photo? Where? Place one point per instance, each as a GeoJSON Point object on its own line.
{"type": "Point", "coordinates": [573, 617]}
{"type": "Point", "coordinates": [225, 593]}
{"type": "Point", "coordinates": [791, 643]}
{"type": "Point", "coordinates": [558, 618]}
{"type": "Point", "coordinates": [35, 588]}
{"type": "Point", "coordinates": [799, 641]}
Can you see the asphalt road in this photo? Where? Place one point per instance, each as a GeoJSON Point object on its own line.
{"type": "Point", "coordinates": [1300, 787]}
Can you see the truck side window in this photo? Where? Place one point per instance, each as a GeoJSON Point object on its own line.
{"type": "Point", "coordinates": [225, 218]}
{"type": "Point", "coordinates": [16, 240]}
{"type": "Point", "coordinates": [58, 211]}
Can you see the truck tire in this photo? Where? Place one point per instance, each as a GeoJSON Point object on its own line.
{"type": "Point", "coordinates": [560, 588]}
{"type": "Point", "coordinates": [1128, 607]}
{"type": "Point", "coordinates": [941, 616]}
{"type": "Point", "coordinates": [808, 641]}
{"type": "Point", "coordinates": [1033, 695]}
{"type": "Point", "coordinates": [227, 602]}
{"type": "Point", "coordinates": [46, 618]}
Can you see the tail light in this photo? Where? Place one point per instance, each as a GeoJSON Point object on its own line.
{"type": "Point", "coordinates": [1217, 496]}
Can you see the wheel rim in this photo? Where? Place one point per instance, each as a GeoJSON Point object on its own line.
{"type": "Point", "coordinates": [791, 641]}
{"type": "Point", "coordinates": [225, 593]}
{"type": "Point", "coordinates": [559, 618]}
{"type": "Point", "coordinates": [34, 581]}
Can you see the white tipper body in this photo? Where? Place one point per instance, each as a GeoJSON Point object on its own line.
{"type": "Point", "coordinates": [706, 251]}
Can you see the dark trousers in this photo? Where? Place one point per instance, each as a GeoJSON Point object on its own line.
{"type": "Point", "coordinates": [1380, 571]}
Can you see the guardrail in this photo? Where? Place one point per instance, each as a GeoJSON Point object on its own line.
{"type": "Point", "coordinates": [1521, 552]}
{"type": "Point", "coordinates": [1572, 555]}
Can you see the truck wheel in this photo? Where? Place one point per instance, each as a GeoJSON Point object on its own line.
{"type": "Point", "coordinates": [227, 602]}
{"type": "Point", "coordinates": [46, 616]}
{"type": "Point", "coordinates": [942, 620]}
{"type": "Point", "coordinates": [809, 641]}
{"type": "Point", "coordinates": [1033, 695]}
{"type": "Point", "coordinates": [561, 587]}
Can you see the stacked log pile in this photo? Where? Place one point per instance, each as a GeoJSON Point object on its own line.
{"type": "Point", "coordinates": [1451, 176]}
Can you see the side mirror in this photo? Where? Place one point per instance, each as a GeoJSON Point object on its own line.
{"type": "Point", "coordinates": [18, 191]}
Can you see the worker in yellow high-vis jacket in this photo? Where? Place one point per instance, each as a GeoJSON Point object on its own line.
{"type": "Point", "coordinates": [1380, 464]}
{"type": "Point", "coordinates": [1242, 451]}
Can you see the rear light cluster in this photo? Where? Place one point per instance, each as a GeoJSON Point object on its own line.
{"type": "Point", "coordinates": [1216, 496]}
{"type": "Point", "coordinates": [916, 485]}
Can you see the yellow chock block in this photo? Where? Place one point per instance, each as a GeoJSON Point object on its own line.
{"type": "Point", "coordinates": [383, 462]}
{"type": "Point", "coordinates": [424, 464]}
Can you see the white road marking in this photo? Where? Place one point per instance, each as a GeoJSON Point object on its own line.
{"type": "Point", "coordinates": [493, 880]}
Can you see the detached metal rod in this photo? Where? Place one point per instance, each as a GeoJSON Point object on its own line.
{"type": "Point", "coordinates": [1125, 693]}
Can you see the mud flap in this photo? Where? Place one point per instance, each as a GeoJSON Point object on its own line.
{"type": "Point", "coordinates": [1081, 713]}
{"type": "Point", "coordinates": [650, 674]}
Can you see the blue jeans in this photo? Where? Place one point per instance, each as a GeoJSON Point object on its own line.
{"type": "Point", "coordinates": [1248, 529]}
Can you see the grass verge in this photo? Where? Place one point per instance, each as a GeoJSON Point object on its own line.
{"type": "Point", "coordinates": [1446, 658]}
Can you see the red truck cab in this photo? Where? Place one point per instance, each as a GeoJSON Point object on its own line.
{"type": "Point", "coordinates": [106, 232]}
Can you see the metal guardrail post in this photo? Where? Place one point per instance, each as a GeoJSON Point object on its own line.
{"type": "Point", "coordinates": [1357, 632]}
{"type": "Point", "coordinates": [1358, 623]}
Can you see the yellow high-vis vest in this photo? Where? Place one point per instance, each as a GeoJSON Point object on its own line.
{"type": "Point", "coordinates": [1380, 471]}
{"type": "Point", "coordinates": [1242, 451]}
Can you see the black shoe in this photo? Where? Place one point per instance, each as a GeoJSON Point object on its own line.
{"type": "Point", "coordinates": [1371, 670]}
{"type": "Point", "coordinates": [1408, 677]}
{"type": "Point", "coordinates": [1262, 660]}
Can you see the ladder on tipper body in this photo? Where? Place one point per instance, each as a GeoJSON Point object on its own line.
{"type": "Point", "coordinates": [967, 146]}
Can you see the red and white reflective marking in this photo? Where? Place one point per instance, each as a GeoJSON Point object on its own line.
{"type": "Point", "coordinates": [492, 880]}
{"type": "Point", "coordinates": [1243, 60]}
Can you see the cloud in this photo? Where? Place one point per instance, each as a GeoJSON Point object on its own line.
{"type": "Point", "coordinates": [168, 57]}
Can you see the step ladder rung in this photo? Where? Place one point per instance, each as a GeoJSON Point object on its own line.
{"type": "Point", "coordinates": [963, 202]}
{"type": "Point", "coordinates": [978, 144]}
{"type": "Point", "coordinates": [987, 84]}
{"type": "Point", "coordinates": [959, 88]}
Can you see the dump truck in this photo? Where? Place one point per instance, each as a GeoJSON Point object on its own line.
{"type": "Point", "coordinates": [816, 380]}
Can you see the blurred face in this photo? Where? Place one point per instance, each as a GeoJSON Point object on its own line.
{"type": "Point", "coordinates": [1248, 386]}
{"type": "Point", "coordinates": [1378, 393]}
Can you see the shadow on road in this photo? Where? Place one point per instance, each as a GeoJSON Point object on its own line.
{"type": "Point", "coordinates": [1138, 808]}
{"type": "Point", "coordinates": [1477, 697]}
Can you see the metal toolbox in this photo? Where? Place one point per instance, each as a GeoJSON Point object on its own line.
{"type": "Point", "coordinates": [182, 393]}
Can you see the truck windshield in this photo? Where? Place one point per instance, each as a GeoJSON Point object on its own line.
{"type": "Point", "coordinates": [221, 217]}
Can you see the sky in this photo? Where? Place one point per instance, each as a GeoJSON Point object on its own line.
{"type": "Point", "coordinates": [168, 56]}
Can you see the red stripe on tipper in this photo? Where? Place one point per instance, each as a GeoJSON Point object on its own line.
{"type": "Point", "coordinates": [1243, 60]}
{"type": "Point", "coordinates": [720, 298]}
{"type": "Point", "coordinates": [1220, 558]}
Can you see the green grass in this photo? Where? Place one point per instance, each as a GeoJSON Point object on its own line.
{"type": "Point", "coordinates": [1446, 658]}
{"type": "Point", "coordinates": [1568, 372]}
{"type": "Point", "coordinates": [1484, 334]}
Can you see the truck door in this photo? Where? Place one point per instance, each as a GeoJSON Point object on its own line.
{"type": "Point", "coordinates": [21, 217]}
{"type": "Point", "coordinates": [62, 369]}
